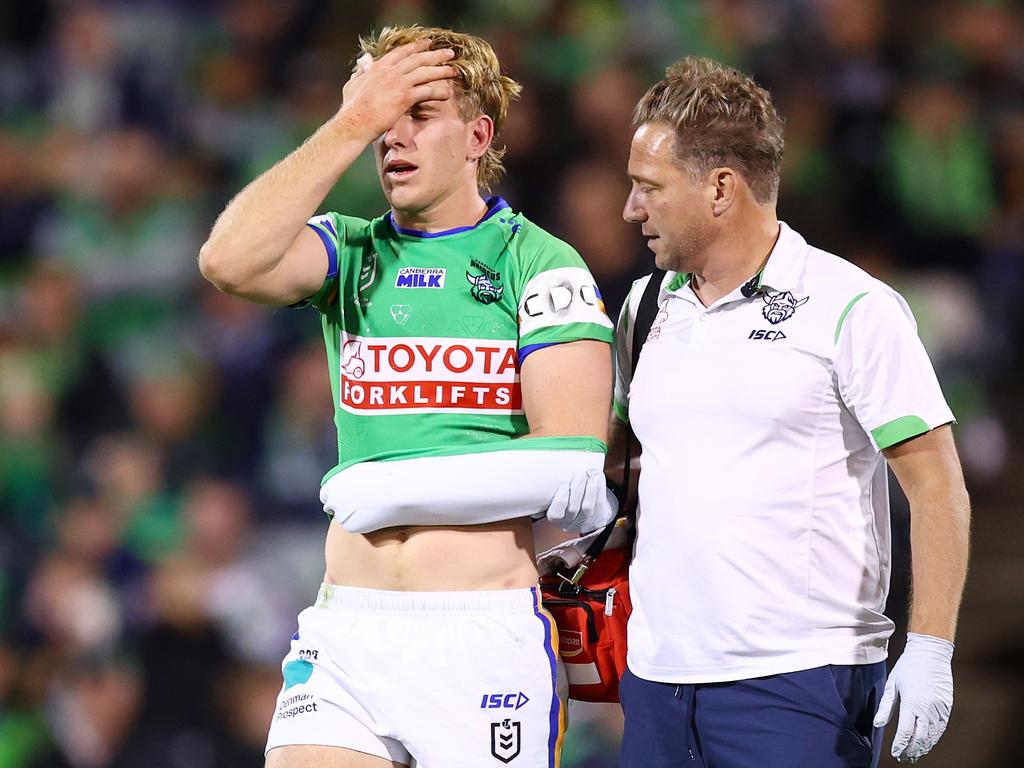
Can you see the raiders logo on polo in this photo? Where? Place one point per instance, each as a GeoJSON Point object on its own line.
{"type": "Point", "coordinates": [781, 306]}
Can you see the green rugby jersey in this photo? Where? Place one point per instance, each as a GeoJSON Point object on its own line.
{"type": "Point", "coordinates": [425, 332]}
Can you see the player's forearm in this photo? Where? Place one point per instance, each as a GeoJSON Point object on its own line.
{"type": "Point", "coordinates": [939, 536]}
{"type": "Point", "coordinates": [255, 230]}
{"type": "Point", "coordinates": [618, 434]}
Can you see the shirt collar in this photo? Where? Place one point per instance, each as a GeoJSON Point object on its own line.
{"type": "Point", "coordinates": [494, 204]}
{"type": "Point", "coordinates": [782, 271]}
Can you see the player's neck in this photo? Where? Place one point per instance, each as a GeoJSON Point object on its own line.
{"type": "Point", "coordinates": [737, 256]}
{"type": "Point", "coordinates": [463, 207]}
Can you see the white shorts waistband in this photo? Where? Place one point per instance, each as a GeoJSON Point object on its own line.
{"type": "Point", "coordinates": [334, 596]}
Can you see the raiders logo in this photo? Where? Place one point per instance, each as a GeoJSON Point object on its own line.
{"type": "Point", "coordinates": [781, 306]}
{"type": "Point", "coordinates": [487, 287]}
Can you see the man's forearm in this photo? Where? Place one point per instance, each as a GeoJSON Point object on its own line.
{"type": "Point", "coordinates": [939, 538]}
{"type": "Point", "coordinates": [260, 223]}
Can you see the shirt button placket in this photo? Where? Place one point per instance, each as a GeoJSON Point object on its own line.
{"type": "Point", "coordinates": [700, 326]}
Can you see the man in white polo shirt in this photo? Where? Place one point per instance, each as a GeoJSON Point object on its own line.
{"type": "Point", "coordinates": [775, 385]}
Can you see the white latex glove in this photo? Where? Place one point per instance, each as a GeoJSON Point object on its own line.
{"type": "Point", "coordinates": [569, 553]}
{"type": "Point", "coordinates": [583, 504]}
{"type": "Point", "coordinates": [922, 681]}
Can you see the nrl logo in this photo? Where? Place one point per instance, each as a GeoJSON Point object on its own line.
{"type": "Point", "coordinates": [368, 271]}
{"type": "Point", "coordinates": [367, 274]}
{"type": "Point", "coordinates": [487, 287]}
{"type": "Point", "coordinates": [781, 306]}
{"type": "Point", "coordinates": [505, 740]}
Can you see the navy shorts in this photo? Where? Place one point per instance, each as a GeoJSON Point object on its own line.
{"type": "Point", "coordinates": [815, 718]}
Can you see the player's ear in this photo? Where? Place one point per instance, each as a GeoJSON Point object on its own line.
{"type": "Point", "coordinates": [481, 135]}
{"type": "Point", "coordinates": [722, 189]}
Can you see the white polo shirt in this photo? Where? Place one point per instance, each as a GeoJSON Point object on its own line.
{"type": "Point", "coordinates": [763, 532]}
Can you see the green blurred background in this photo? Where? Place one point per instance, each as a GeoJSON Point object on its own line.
{"type": "Point", "coordinates": [161, 444]}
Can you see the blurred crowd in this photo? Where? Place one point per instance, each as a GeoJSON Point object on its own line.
{"type": "Point", "coordinates": [161, 444]}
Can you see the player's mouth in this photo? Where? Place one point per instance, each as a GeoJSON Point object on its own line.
{"type": "Point", "coordinates": [651, 239]}
{"type": "Point", "coordinates": [399, 170]}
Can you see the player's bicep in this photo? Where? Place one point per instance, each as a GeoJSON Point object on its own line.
{"type": "Point", "coordinates": [567, 389]}
{"type": "Point", "coordinates": [298, 275]}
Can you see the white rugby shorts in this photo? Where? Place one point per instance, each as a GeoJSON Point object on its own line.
{"type": "Point", "coordinates": [427, 679]}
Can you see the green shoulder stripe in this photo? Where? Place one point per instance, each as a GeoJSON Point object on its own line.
{"type": "Point", "coordinates": [898, 430]}
{"type": "Point", "coordinates": [842, 317]}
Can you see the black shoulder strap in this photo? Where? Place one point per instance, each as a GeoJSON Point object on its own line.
{"type": "Point", "coordinates": [646, 311]}
{"type": "Point", "coordinates": [645, 314]}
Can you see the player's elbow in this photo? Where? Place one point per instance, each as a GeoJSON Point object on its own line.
{"type": "Point", "coordinates": [210, 263]}
{"type": "Point", "coordinates": [217, 265]}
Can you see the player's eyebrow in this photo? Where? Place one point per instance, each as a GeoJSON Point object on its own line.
{"type": "Point", "coordinates": [426, 106]}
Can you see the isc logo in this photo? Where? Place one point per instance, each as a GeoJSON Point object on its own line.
{"type": "Point", "coordinates": [766, 335]}
{"type": "Point", "coordinates": [503, 700]}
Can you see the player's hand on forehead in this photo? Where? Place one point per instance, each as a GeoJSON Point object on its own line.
{"type": "Point", "coordinates": [417, 53]}
{"type": "Point", "coordinates": [382, 90]}
{"type": "Point", "coordinates": [445, 87]}
{"type": "Point", "coordinates": [412, 58]}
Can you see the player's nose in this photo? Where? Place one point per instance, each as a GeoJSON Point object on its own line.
{"type": "Point", "coordinates": [397, 134]}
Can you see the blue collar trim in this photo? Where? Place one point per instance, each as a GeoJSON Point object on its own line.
{"type": "Point", "coordinates": [494, 204]}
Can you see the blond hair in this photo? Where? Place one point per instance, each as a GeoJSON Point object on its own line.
{"type": "Point", "coordinates": [721, 118]}
{"type": "Point", "coordinates": [482, 89]}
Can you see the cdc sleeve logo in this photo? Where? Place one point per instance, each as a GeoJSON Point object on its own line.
{"type": "Point", "coordinates": [505, 741]}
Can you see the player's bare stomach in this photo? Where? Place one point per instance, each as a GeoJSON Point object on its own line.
{"type": "Point", "coordinates": [434, 559]}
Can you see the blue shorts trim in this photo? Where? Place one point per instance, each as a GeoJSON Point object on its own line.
{"type": "Point", "coordinates": [556, 718]}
